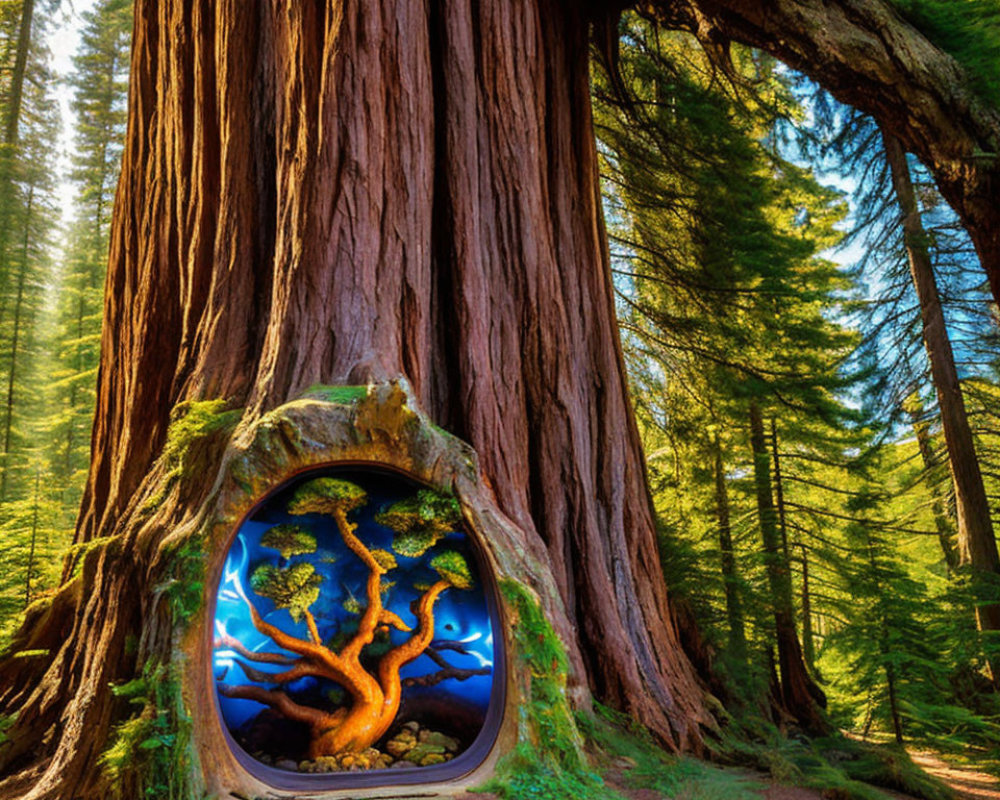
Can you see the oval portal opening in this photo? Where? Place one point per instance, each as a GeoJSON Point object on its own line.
{"type": "Point", "coordinates": [356, 637]}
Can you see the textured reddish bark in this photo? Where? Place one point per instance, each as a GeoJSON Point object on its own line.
{"type": "Point", "coordinates": [429, 209]}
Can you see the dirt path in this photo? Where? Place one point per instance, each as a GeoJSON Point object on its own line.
{"type": "Point", "coordinates": [967, 782]}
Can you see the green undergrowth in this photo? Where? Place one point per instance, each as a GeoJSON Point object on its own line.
{"type": "Point", "coordinates": [588, 756]}
{"type": "Point", "coordinates": [839, 767]}
{"type": "Point", "coordinates": [567, 755]}
{"type": "Point", "coordinates": [154, 743]}
{"type": "Point", "coordinates": [618, 741]}
{"type": "Point", "coordinates": [551, 762]}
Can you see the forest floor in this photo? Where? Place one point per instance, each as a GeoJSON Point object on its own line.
{"type": "Point", "coordinates": [967, 783]}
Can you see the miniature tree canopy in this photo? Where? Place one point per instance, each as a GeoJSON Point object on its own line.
{"type": "Point", "coordinates": [295, 587]}
{"type": "Point", "coordinates": [289, 540]}
{"type": "Point", "coordinates": [419, 521]}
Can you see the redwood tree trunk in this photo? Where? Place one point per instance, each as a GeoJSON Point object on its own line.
{"type": "Point", "coordinates": [341, 193]}
{"type": "Point", "coordinates": [976, 542]}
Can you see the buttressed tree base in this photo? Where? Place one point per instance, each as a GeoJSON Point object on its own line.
{"type": "Point", "coordinates": [167, 723]}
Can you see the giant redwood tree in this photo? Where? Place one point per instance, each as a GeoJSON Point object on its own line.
{"type": "Point", "coordinates": [352, 193]}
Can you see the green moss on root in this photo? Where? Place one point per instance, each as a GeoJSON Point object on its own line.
{"type": "Point", "coordinates": [553, 763]}
{"type": "Point", "coordinates": [190, 422]}
{"type": "Point", "coordinates": [185, 582]}
{"type": "Point", "coordinates": [153, 746]}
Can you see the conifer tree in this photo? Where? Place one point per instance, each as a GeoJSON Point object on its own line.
{"type": "Point", "coordinates": [29, 241]}
{"type": "Point", "coordinates": [99, 82]}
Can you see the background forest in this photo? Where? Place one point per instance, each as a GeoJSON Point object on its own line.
{"type": "Point", "coordinates": [813, 351]}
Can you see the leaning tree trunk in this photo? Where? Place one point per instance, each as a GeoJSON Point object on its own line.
{"type": "Point", "coordinates": [351, 193]}
{"type": "Point", "coordinates": [976, 541]}
{"type": "Point", "coordinates": [867, 55]}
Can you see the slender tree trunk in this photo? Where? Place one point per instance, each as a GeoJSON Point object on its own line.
{"type": "Point", "coordinates": [800, 695]}
{"type": "Point", "coordinates": [976, 542]}
{"type": "Point", "coordinates": [344, 193]}
{"type": "Point", "coordinates": [12, 115]}
{"type": "Point", "coordinates": [779, 493]}
{"type": "Point", "coordinates": [11, 123]}
{"type": "Point", "coordinates": [730, 580]}
{"type": "Point", "coordinates": [884, 649]}
{"type": "Point", "coordinates": [34, 539]}
{"type": "Point", "coordinates": [8, 424]}
{"type": "Point", "coordinates": [808, 641]}
{"type": "Point", "coordinates": [943, 525]}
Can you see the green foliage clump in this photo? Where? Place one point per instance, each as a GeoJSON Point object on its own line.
{"type": "Point", "coordinates": [522, 775]}
{"type": "Point", "coordinates": [967, 29]}
{"type": "Point", "coordinates": [327, 496]}
{"type": "Point", "coordinates": [452, 567]}
{"type": "Point", "coordinates": [184, 588]}
{"type": "Point", "coordinates": [339, 395]}
{"type": "Point", "coordinates": [384, 559]}
{"type": "Point", "coordinates": [154, 743]}
{"type": "Point", "coordinates": [414, 544]}
{"type": "Point", "coordinates": [289, 540]}
{"type": "Point", "coordinates": [420, 521]}
{"type": "Point", "coordinates": [6, 723]}
{"type": "Point", "coordinates": [295, 587]}
{"type": "Point", "coordinates": [553, 765]}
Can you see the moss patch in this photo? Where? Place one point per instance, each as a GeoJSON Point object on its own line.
{"type": "Point", "coordinates": [79, 553]}
{"type": "Point", "coordinates": [190, 422]}
{"type": "Point", "coordinates": [185, 583]}
{"type": "Point", "coordinates": [553, 763]}
{"type": "Point", "coordinates": [340, 395]}
{"type": "Point", "coordinates": [154, 744]}
{"type": "Point", "coordinates": [6, 723]}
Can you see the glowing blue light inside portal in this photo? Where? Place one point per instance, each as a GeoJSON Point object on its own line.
{"type": "Point", "coordinates": [462, 630]}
